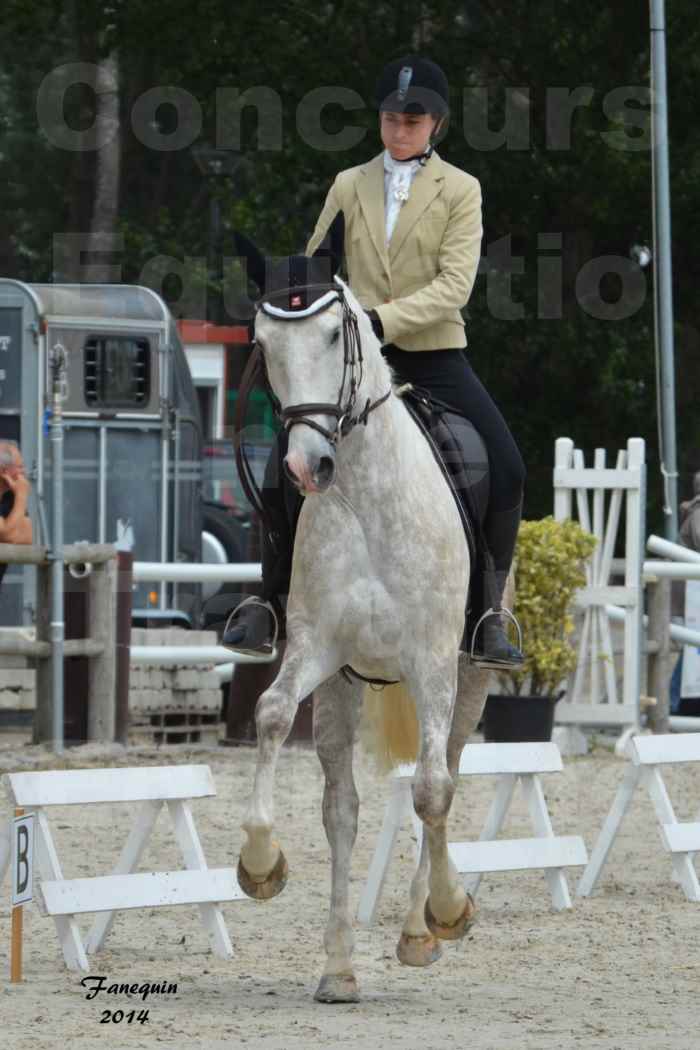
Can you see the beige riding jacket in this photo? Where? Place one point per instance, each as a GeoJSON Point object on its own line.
{"type": "Point", "coordinates": [420, 281]}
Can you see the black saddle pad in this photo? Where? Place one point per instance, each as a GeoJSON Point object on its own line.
{"type": "Point", "coordinates": [461, 454]}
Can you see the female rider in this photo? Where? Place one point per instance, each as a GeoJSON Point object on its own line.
{"type": "Point", "coordinates": [413, 231]}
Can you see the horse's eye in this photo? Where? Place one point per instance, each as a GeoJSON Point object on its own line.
{"type": "Point", "coordinates": [335, 337]}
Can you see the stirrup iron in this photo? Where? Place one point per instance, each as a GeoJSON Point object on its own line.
{"type": "Point", "coordinates": [266, 649]}
{"type": "Point", "coordinates": [484, 661]}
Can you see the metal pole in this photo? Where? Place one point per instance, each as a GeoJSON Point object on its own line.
{"type": "Point", "coordinates": [57, 631]}
{"type": "Point", "coordinates": [662, 262]}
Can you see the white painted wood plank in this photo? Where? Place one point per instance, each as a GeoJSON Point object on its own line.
{"type": "Point", "coordinates": [582, 663]}
{"type": "Point", "coordinates": [396, 811]}
{"type": "Point", "coordinates": [128, 862]}
{"type": "Point", "coordinates": [603, 594]}
{"type": "Point", "coordinates": [193, 855]}
{"type": "Point", "coordinates": [598, 511]}
{"type": "Point", "coordinates": [682, 864]}
{"type": "Point", "coordinates": [590, 478]}
{"type": "Point", "coordinates": [76, 787]}
{"type": "Point", "coordinates": [596, 692]}
{"type": "Point", "coordinates": [596, 714]}
{"type": "Point", "coordinates": [140, 890]}
{"type": "Point", "coordinates": [563, 457]}
{"type": "Point", "coordinates": [49, 867]}
{"type": "Point", "coordinates": [518, 854]}
{"type": "Point", "coordinates": [608, 832]}
{"type": "Point", "coordinates": [681, 838]}
{"type": "Point", "coordinates": [494, 822]}
{"type": "Point", "coordinates": [477, 759]}
{"type": "Point", "coordinates": [612, 525]}
{"type": "Point", "coordinates": [541, 822]}
{"type": "Point", "coordinates": [665, 748]}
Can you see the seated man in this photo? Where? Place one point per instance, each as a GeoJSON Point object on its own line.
{"type": "Point", "coordinates": [15, 525]}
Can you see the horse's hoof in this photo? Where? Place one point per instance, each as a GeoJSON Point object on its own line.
{"type": "Point", "coordinates": [268, 887]}
{"type": "Point", "coordinates": [418, 950]}
{"type": "Point", "coordinates": [452, 931]}
{"type": "Point", "coordinates": [337, 988]}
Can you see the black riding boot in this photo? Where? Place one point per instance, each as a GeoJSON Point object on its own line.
{"type": "Point", "coordinates": [257, 623]}
{"type": "Point", "coordinates": [490, 645]}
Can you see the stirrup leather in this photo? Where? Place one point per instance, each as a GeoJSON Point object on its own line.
{"type": "Point", "coordinates": [488, 662]}
{"type": "Point", "coordinates": [268, 648]}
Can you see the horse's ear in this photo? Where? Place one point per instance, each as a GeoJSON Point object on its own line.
{"type": "Point", "coordinates": [333, 243]}
{"type": "Point", "coordinates": [254, 258]}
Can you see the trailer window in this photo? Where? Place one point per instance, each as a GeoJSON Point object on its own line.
{"type": "Point", "coordinates": [117, 371]}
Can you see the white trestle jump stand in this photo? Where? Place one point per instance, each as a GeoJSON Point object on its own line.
{"type": "Point", "coordinates": [592, 697]}
{"type": "Point", "coordinates": [512, 763]}
{"type": "Point", "coordinates": [647, 753]}
{"type": "Point", "coordinates": [63, 899]}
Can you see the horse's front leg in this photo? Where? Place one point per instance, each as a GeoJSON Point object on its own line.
{"type": "Point", "coordinates": [448, 909]}
{"type": "Point", "coordinates": [336, 714]}
{"type": "Point", "coordinates": [262, 867]}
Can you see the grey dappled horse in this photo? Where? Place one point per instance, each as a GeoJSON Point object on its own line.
{"type": "Point", "coordinates": [379, 580]}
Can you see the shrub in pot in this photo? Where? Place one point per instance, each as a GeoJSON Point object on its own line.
{"type": "Point", "coordinates": [550, 561]}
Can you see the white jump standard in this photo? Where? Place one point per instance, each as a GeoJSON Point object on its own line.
{"type": "Point", "coordinates": [513, 764]}
{"type": "Point", "coordinates": [647, 754]}
{"type": "Point", "coordinates": [63, 899]}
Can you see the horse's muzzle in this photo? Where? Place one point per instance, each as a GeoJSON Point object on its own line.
{"type": "Point", "coordinates": [310, 473]}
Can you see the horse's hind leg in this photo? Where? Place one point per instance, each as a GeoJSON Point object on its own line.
{"type": "Point", "coordinates": [417, 945]}
{"type": "Point", "coordinates": [336, 714]}
{"type": "Point", "coordinates": [262, 868]}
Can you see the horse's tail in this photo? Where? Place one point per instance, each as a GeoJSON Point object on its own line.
{"type": "Point", "coordinates": [390, 730]}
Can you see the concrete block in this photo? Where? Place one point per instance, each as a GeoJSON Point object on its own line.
{"type": "Point", "coordinates": [185, 678]}
{"type": "Point", "coordinates": [9, 662]}
{"type": "Point", "coordinates": [17, 678]}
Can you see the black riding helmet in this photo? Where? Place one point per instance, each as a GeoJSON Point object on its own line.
{"type": "Point", "coordinates": [413, 84]}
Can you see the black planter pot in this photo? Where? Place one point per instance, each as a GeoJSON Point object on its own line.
{"type": "Point", "coordinates": [509, 719]}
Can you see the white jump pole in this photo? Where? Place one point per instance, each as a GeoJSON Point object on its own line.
{"type": "Point", "coordinates": [657, 545]}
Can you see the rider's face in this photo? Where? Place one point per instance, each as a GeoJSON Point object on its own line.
{"type": "Point", "coordinates": [405, 134]}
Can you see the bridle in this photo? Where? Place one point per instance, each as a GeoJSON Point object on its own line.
{"type": "Point", "coordinates": [353, 365]}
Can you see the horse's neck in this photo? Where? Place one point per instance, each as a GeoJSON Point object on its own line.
{"type": "Point", "coordinates": [377, 452]}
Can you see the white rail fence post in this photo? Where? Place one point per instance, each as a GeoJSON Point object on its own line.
{"type": "Point", "coordinates": [681, 840]}
{"type": "Point", "coordinates": [512, 764]}
{"type": "Point", "coordinates": [64, 899]}
{"type": "Point", "coordinates": [592, 696]}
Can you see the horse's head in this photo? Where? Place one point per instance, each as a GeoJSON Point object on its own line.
{"type": "Point", "coordinates": [314, 337]}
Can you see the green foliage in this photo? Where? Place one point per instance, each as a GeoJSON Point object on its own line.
{"type": "Point", "coordinates": [550, 567]}
{"type": "Point", "coordinates": [559, 370]}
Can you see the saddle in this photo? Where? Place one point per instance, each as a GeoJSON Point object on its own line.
{"type": "Point", "coordinates": [460, 452]}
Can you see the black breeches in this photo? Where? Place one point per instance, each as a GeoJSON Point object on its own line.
{"type": "Point", "coordinates": [449, 377]}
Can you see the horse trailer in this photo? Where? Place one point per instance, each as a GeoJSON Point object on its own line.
{"type": "Point", "coordinates": [132, 430]}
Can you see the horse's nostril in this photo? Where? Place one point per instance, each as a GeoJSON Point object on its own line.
{"type": "Point", "coordinates": [326, 470]}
